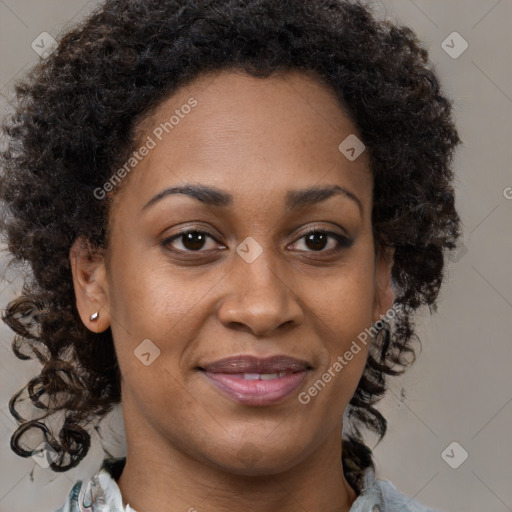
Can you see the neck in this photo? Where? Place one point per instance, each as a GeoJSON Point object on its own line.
{"type": "Point", "coordinates": [159, 477]}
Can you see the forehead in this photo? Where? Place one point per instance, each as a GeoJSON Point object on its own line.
{"type": "Point", "coordinates": [249, 134]}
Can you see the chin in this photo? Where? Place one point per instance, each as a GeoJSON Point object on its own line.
{"type": "Point", "coordinates": [250, 460]}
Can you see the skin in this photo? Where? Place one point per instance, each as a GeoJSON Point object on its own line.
{"type": "Point", "coordinates": [187, 444]}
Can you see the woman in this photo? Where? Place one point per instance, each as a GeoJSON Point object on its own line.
{"type": "Point", "coordinates": [232, 210]}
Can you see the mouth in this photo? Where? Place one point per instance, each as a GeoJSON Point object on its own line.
{"type": "Point", "coordinates": [254, 381]}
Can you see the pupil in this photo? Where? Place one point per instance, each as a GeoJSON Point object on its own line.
{"type": "Point", "coordinates": [311, 238]}
{"type": "Point", "coordinates": [193, 240]}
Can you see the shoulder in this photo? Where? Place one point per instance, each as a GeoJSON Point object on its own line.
{"type": "Point", "coordinates": [394, 501]}
{"type": "Point", "coordinates": [71, 504]}
{"type": "Point", "coordinates": [99, 493]}
{"type": "Point", "coordinates": [382, 496]}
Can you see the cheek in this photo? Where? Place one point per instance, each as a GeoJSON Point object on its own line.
{"type": "Point", "coordinates": [148, 288]}
{"type": "Point", "coordinates": [343, 302]}
{"type": "Point", "coordinates": [155, 302]}
{"type": "Point", "coordinates": [342, 311]}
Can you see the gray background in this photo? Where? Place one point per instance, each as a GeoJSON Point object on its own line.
{"type": "Point", "coordinates": [460, 389]}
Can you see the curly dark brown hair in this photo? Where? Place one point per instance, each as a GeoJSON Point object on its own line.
{"type": "Point", "coordinates": [75, 122]}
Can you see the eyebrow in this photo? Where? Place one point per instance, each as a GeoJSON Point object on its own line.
{"type": "Point", "coordinates": [295, 199]}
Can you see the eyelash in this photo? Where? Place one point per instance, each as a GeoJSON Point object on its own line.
{"type": "Point", "coordinates": [342, 241]}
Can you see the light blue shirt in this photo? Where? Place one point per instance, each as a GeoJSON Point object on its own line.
{"type": "Point", "coordinates": [101, 494]}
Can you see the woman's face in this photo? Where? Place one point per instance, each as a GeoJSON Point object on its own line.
{"type": "Point", "coordinates": [251, 282]}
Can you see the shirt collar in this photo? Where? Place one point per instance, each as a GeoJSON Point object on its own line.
{"type": "Point", "coordinates": [370, 498]}
{"type": "Point", "coordinates": [102, 494]}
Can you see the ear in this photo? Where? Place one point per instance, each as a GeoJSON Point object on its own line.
{"type": "Point", "coordinates": [384, 294]}
{"type": "Point", "coordinates": [91, 286]}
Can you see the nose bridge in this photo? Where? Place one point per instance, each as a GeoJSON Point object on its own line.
{"type": "Point", "coordinates": [257, 293]}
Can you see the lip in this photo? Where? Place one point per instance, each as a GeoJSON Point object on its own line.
{"type": "Point", "coordinates": [227, 375]}
{"type": "Point", "coordinates": [253, 364]}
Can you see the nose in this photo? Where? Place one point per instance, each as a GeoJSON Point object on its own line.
{"type": "Point", "coordinates": [260, 298]}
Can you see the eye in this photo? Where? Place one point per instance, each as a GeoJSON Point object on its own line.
{"type": "Point", "coordinates": [190, 241]}
{"type": "Point", "coordinates": [316, 240]}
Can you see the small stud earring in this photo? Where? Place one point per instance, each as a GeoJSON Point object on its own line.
{"type": "Point", "coordinates": [94, 316]}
